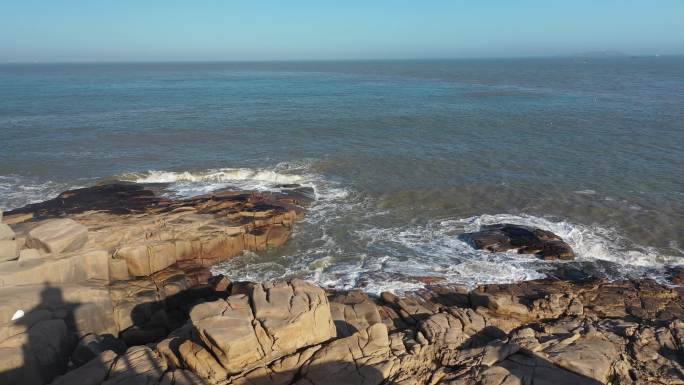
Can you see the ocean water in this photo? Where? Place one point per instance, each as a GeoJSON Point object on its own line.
{"type": "Point", "coordinates": [403, 155]}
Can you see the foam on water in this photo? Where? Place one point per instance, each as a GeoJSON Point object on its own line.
{"type": "Point", "coordinates": [335, 246]}
{"type": "Point", "coordinates": [348, 241]}
{"type": "Point", "coordinates": [17, 191]}
{"type": "Point", "coordinates": [187, 183]}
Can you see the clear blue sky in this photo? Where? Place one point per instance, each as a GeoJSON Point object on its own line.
{"type": "Point", "coordinates": [156, 30]}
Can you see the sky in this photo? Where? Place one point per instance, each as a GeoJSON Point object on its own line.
{"type": "Point", "coordinates": [173, 30]}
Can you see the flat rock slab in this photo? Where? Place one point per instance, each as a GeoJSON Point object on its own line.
{"type": "Point", "coordinates": [526, 240]}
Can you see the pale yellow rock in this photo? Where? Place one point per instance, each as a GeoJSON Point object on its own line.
{"type": "Point", "coordinates": [17, 218]}
{"type": "Point", "coordinates": [96, 264]}
{"type": "Point", "coordinates": [29, 254]}
{"type": "Point", "coordinates": [137, 259]}
{"type": "Point", "coordinates": [58, 235]}
{"type": "Point", "coordinates": [118, 270]}
{"type": "Point", "coordinates": [363, 358]}
{"type": "Point", "coordinates": [6, 232]}
{"type": "Point", "coordinates": [9, 250]}
{"type": "Point", "coordinates": [246, 331]}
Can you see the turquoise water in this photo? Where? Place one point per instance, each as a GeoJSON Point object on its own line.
{"type": "Point", "coordinates": [404, 155]}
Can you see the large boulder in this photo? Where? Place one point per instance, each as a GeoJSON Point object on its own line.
{"type": "Point", "coordinates": [58, 235]}
{"type": "Point", "coordinates": [275, 319]}
{"type": "Point", "coordinates": [525, 240]}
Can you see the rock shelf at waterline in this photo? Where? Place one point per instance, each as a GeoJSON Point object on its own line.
{"type": "Point", "coordinates": [111, 284]}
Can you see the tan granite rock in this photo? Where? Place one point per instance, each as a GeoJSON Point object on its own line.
{"type": "Point", "coordinates": [274, 320]}
{"type": "Point", "coordinates": [140, 365]}
{"type": "Point", "coordinates": [6, 232]}
{"type": "Point", "coordinates": [9, 250]}
{"type": "Point", "coordinates": [94, 372]}
{"type": "Point", "coordinates": [363, 358]}
{"type": "Point", "coordinates": [58, 235]}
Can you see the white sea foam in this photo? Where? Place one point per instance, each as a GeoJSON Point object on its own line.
{"type": "Point", "coordinates": [187, 183]}
{"type": "Point", "coordinates": [590, 242]}
{"type": "Point", "coordinates": [346, 240]}
{"type": "Point", "coordinates": [338, 246]}
{"type": "Point", "coordinates": [17, 191]}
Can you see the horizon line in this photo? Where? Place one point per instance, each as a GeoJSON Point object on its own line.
{"type": "Point", "coordinates": [550, 56]}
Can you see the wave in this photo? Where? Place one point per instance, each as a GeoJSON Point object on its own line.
{"type": "Point", "coordinates": [348, 240]}
{"type": "Point", "coordinates": [405, 258]}
{"type": "Point", "coordinates": [18, 191]}
{"type": "Point", "coordinates": [189, 183]}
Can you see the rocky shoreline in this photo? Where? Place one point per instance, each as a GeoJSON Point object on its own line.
{"type": "Point", "coordinates": [111, 285]}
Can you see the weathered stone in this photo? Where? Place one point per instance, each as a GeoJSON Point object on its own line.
{"type": "Point", "coordinates": [6, 232]}
{"type": "Point", "coordinates": [91, 345]}
{"type": "Point", "coordinates": [13, 219]}
{"type": "Point", "coordinates": [363, 358]}
{"type": "Point", "coordinates": [181, 377]}
{"type": "Point", "coordinates": [57, 269]}
{"type": "Point", "coordinates": [86, 308]}
{"type": "Point", "coordinates": [9, 250]}
{"type": "Point", "coordinates": [18, 367]}
{"type": "Point", "coordinates": [243, 332]}
{"type": "Point", "coordinates": [352, 312]}
{"type": "Point", "coordinates": [94, 372]}
{"type": "Point", "coordinates": [58, 235]}
{"type": "Point", "coordinates": [118, 270]}
{"type": "Point", "coordinates": [140, 365]}
{"type": "Point", "coordinates": [29, 254]}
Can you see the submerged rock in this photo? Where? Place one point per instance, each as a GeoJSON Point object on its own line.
{"type": "Point", "coordinates": [524, 239]}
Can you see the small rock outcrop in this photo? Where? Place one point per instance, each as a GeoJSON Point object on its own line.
{"type": "Point", "coordinates": [525, 240]}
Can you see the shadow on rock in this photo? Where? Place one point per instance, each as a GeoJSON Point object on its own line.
{"type": "Point", "coordinates": [44, 339]}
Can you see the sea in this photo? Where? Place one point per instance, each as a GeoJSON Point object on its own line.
{"type": "Point", "coordinates": [403, 156]}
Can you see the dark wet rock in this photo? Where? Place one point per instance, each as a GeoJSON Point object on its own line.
{"type": "Point", "coordinates": [676, 275]}
{"type": "Point", "coordinates": [526, 240]}
{"type": "Point", "coordinates": [118, 198]}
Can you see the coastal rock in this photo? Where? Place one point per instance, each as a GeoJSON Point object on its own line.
{"type": "Point", "coordinates": [525, 240]}
{"type": "Point", "coordinates": [9, 250]}
{"type": "Point", "coordinates": [142, 277]}
{"type": "Point", "coordinates": [29, 254]}
{"type": "Point", "coordinates": [114, 198]}
{"type": "Point", "coordinates": [58, 235]}
{"type": "Point", "coordinates": [363, 358]}
{"type": "Point", "coordinates": [245, 331]}
{"type": "Point", "coordinates": [140, 365]}
{"type": "Point", "coordinates": [47, 345]}
{"type": "Point", "coordinates": [94, 372]}
{"type": "Point", "coordinates": [6, 232]}
{"type": "Point", "coordinates": [291, 333]}
{"type": "Point", "coordinates": [92, 345]}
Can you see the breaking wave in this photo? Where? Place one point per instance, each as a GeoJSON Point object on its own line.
{"type": "Point", "coordinates": [189, 183]}
{"type": "Point", "coordinates": [347, 240]}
